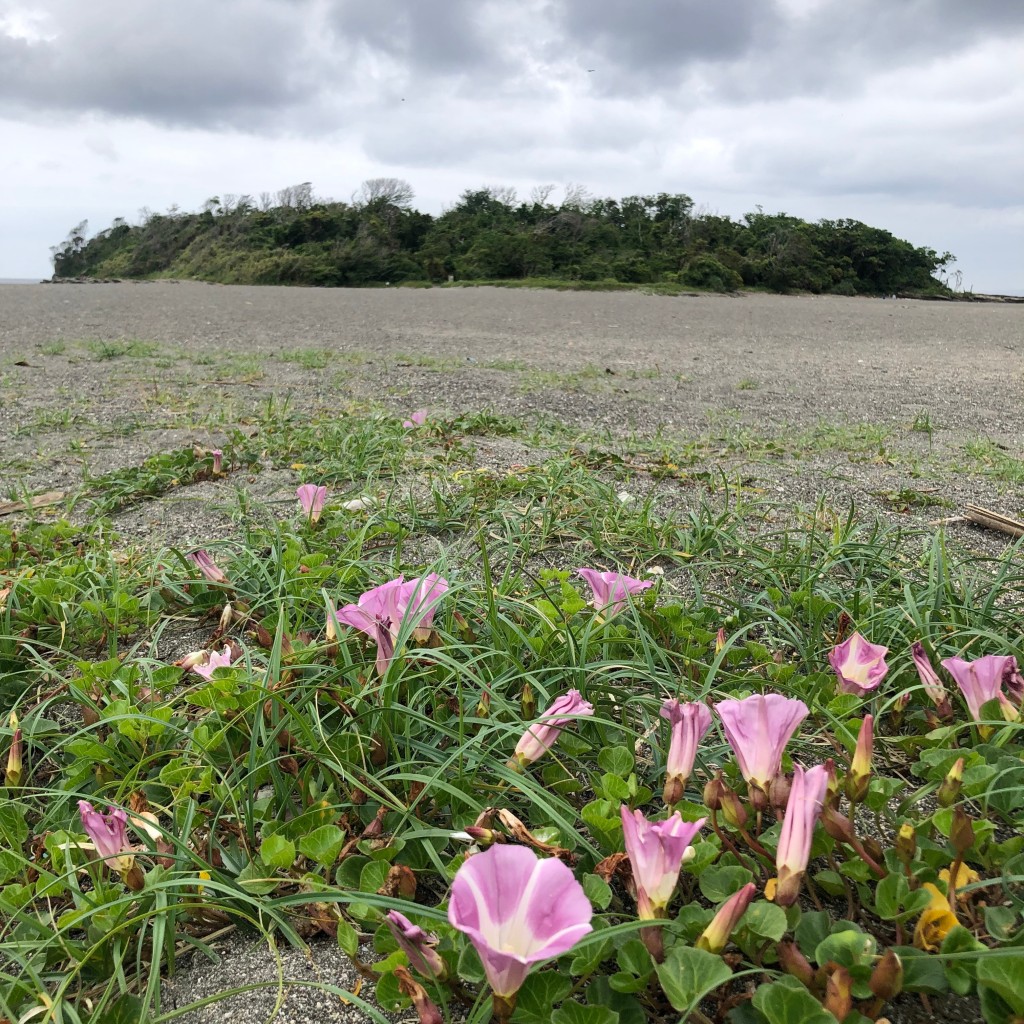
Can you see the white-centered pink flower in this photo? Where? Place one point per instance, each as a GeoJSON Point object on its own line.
{"type": "Point", "coordinates": [311, 500]}
{"type": "Point", "coordinates": [612, 590]}
{"type": "Point", "coordinates": [517, 911]}
{"type": "Point", "coordinates": [859, 665]}
{"type": "Point", "coordinates": [540, 737]}
{"type": "Point", "coordinates": [656, 851]}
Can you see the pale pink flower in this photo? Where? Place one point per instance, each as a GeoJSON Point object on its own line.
{"type": "Point", "coordinates": [715, 937]}
{"type": "Point", "coordinates": [982, 680]}
{"type": "Point", "coordinates": [656, 853]}
{"type": "Point", "coordinates": [382, 612]}
{"type": "Point", "coordinates": [612, 589]}
{"type": "Point", "coordinates": [416, 419]}
{"type": "Point", "coordinates": [758, 729]}
{"type": "Point", "coordinates": [417, 945]}
{"type": "Point", "coordinates": [205, 564]}
{"type": "Point", "coordinates": [859, 666]}
{"type": "Point", "coordinates": [108, 833]}
{"type": "Point", "coordinates": [517, 911]}
{"type": "Point", "coordinates": [806, 797]}
{"type": "Point", "coordinates": [541, 736]}
{"type": "Point", "coordinates": [689, 724]}
{"type": "Point", "coordinates": [215, 660]}
{"type": "Point", "coordinates": [311, 499]}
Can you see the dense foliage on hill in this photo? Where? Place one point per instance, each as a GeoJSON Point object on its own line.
{"type": "Point", "coordinates": [378, 237]}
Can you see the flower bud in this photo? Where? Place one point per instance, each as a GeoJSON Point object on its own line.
{"type": "Point", "coordinates": [483, 708]}
{"type": "Point", "coordinates": [528, 703]}
{"type": "Point", "coordinates": [838, 826]}
{"type": "Point", "coordinates": [886, 981]}
{"type": "Point", "coordinates": [713, 791]}
{"type": "Point", "coordinates": [226, 617]}
{"type": "Point", "coordinates": [874, 849]}
{"type": "Point", "coordinates": [793, 962]}
{"type": "Point", "coordinates": [134, 877]}
{"type": "Point", "coordinates": [778, 793]}
{"type": "Point", "coordinates": [720, 640]}
{"type": "Point", "coordinates": [715, 937]}
{"type": "Point", "coordinates": [906, 844]}
{"type": "Point", "coordinates": [673, 792]}
{"type": "Point", "coordinates": [859, 776]}
{"type": "Point", "coordinates": [12, 776]}
{"type": "Point", "coordinates": [962, 833]}
{"type": "Point", "coordinates": [839, 993]}
{"type": "Point", "coordinates": [218, 461]}
{"type": "Point", "coordinates": [484, 836]}
{"type": "Point", "coordinates": [949, 789]}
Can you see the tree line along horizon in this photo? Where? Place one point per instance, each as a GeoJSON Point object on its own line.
{"type": "Point", "coordinates": [293, 237]}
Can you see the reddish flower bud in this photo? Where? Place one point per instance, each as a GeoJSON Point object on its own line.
{"type": "Point", "coordinates": [793, 962]}
{"type": "Point", "coordinates": [886, 981]}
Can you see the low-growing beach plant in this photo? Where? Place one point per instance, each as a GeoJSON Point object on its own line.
{"type": "Point", "coordinates": [589, 762]}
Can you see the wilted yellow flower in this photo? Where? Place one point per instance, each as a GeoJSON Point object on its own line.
{"type": "Point", "coordinates": [936, 922]}
{"type": "Point", "coordinates": [964, 876]}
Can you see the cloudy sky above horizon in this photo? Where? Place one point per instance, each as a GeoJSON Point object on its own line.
{"type": "Point", "coordinates": [906, 115]}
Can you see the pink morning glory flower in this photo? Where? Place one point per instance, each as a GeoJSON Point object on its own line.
{"type": "Point", "coordinates": [417, 945]}
{"type": "Point", "coordinates": [382, 611]}
{"type": "Point", "coordinates": [982, 680]}
{"type": "Point", "coordinates": [416, 419]}
{"type": "Point", "coordinates": [859, 666]}
{"type": "Point", "coordinates": [517, 911]}
{"type": "Point", "coordinates": [612, 589]}
{"type": "Point", "coordinates": [311, 499]}
{"type": "Point", "coordinates": [758, 729]}
{"type": "Point", "coordinates": [215, 660]}
{"type": "Point", "coordinates": [656, 853]}
{"type": "Point", "coordinates": [689, 724]}
{"type": "Point", "coordinates": [929, 677]}
{"type": "Point", "coordinates": [205, 564]}
{"type": "Point", "coordinates": [806, 796]}
{"type": "Point", "coordinates": [541, 736]}
{"type": "Point", "coordinates": [108, 833]}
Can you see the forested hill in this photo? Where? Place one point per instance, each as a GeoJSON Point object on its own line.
{"type": "Point", "coordinates": [295, 238]}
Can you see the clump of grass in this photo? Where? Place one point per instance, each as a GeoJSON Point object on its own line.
{"type": "Point", "coordinates": [301, 786]}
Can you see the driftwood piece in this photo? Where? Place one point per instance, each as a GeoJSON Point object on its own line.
{"type": "Point", "coordinates": [8, 508]}
{"type": "Point", "coordinates": [994, 521]}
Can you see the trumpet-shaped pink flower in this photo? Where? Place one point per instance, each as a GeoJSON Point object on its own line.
{"type": "Point", "coordinates": [806, 797]}
{"type": "Point", "coordinates": [929, 677]}
{"type": "Point", "coordinates": [656, 852]}
{"type": "Point", "coordinates": [715, 937]}
{"type": "Point", "coordinates": [216, 660]}
{"type": "Point", "coordinates": [382, 612]}
{"type": "Point", "coordinates": [416, 419]}
{"type": "Point", "coordinates": [689, 724]}
{"type": "Point", "coordinates": [982, 680]}
{"type": "Point", "coordinates": [218, 461]}
{"type": "Point", "coordinates": [859, 666]}
{"type": "Point", "coordinates": [758, 729]}
{"type": "Point", "coordinates": [311, 499]}
{"type": "Point", "coordinates": [612, 589]}
{"type": "Point", "coordinates": [417, 945]}
{"type": "Point", "coordinates": [517, 910]}
{"type": "Point", "coordinates": [541, 736]}
{"type": "Point", "coordinates": [205, 564]}
{"type": "Point", "coordinates": [108, 833]}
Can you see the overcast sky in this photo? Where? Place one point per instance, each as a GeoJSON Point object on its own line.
{"type": "Point", "coordinates": [906, 114]}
